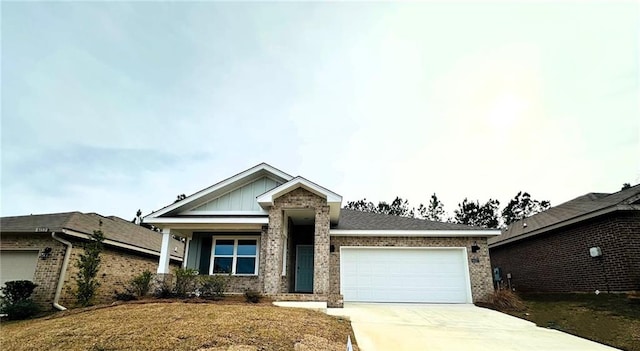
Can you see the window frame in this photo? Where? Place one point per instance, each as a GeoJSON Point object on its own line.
{"type": "Point", "coordinates": [235, 255]}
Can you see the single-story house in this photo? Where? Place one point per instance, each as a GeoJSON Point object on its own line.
{"type": "Point", "coordinates": [289, 238]}
{"type": "Point", "coordinates": [45, 248]}
{"type": "Point", "coordinates": [586, 244]}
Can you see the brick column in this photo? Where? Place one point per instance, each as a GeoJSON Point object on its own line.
{"type": "Point", "coordinates": [273, 252]}
{"type": "Point", "coordinates": [321, 251]}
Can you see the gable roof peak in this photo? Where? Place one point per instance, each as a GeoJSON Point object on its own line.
{"type": "Point", "coordinates": [209, 193]}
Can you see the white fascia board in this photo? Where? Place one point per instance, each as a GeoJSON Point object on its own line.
{"type": "Point", "coordinates": [225, 213]}
{"type": "Point", "coordinates": [259, 168]}
{"type": "Point", "coordinates": [208, 220]}
{"type": "Point", "coordinates": [267, 198]}
{"type": "Point", "coordinates": [439, 233]}
{"type": "Point", "coordinates": [117, 244]}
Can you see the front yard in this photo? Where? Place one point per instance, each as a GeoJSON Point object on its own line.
{"type": "Point", "coordinates": [610, 319]}
{"type": "Point", "coordinates": [180, 326]}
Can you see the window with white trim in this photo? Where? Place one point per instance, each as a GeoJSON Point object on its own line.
{"type": "Point", "coordinates": [238, 256]}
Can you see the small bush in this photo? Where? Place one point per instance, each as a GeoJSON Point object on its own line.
{"type": "Point", "coordinates": [212, 286]}
{"type": "Point", "coordinates": [505, 300]}
{"type": "Point", "coordinates": [141, 284]}
{"type": "Point", "coordinates": [20, 309]}
{"type": "Point", "coordinates": [186, 281]}
{"type": "Point", "coordinates": [16, 302]}
{"type": "Point", "coordinates": [164, 290]}
{"type": "Point", "coordinates": [17, 290]}
{"type": "Point", "coordinates": [252, 296]}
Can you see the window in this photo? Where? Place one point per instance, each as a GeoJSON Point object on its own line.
{"type": "Point", "coordinates": [235, 256]}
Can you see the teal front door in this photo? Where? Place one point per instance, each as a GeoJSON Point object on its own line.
{"type": "Point", "coordinates": [304, 268]}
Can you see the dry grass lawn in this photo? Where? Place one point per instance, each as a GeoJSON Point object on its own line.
{"type": "Point", "coordinates": [610, 319]}
{"type": "Point", "coordinates": [180, 326]}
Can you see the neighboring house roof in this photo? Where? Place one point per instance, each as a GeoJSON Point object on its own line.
{"type": "Point", "coordinates": [353, 220]}
{"type": "Point", "coordinates": [581, 208]}
{"type": "Point", "coordinates": [117, 231]}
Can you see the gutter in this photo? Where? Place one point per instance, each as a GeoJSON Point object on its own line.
{"type": "Point", "coordinates": [63, 270]}
{"type": "Point", "coordinates": [114, 243]}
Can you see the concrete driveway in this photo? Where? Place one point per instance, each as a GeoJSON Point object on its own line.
{"type": "Point", "coordinates": [394, 327]}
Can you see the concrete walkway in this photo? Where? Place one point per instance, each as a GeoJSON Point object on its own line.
{"type": "Point", "coordinates": [386, 327]}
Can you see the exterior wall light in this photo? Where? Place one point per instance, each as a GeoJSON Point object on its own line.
{"type": "Point", "coordinates": [45, 253]}
{"type": "Point", "coordinates": [475, 248]}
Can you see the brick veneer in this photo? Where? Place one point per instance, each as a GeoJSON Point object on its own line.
{"type": "Point", "coordinates": [274, 282]}
{"type": "Point", "coordinates": [559, 261]}
{"type": "Point", "coordinates": [48, 270]}
{"type": "Point", "coordinates": [480, 272]}
{"type": "Point", "coordinates": [116, 269]}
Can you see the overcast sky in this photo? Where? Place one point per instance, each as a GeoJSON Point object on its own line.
{"type": "Point", "coordinates": [111, 107]}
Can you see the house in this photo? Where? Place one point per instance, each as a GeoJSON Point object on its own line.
{"type": "Point", "coordinates": [45, 248]}
{"type": "Point", "coordinates": [586, 244]}
{"type": "Point", "coordinates": [289, 238]}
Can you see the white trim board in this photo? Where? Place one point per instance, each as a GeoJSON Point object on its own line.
{"type": "Point", "coordinates": [117, 244]}
{"type": "Point", "coordinates": [260, 169]}
{"type": "Point", "coordinates": [438, 233]}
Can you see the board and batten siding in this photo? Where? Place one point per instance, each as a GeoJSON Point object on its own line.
{"type": "Point", "coordinates": [240, 199]}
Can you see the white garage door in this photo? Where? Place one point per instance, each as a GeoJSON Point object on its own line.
{"type": "Point", "coordinates": [17, 265]}
{"type": "Point", "coordinates": [426, 275]}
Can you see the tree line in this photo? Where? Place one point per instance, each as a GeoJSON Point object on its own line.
{"type": "Point", "coordinates": [468, 212]}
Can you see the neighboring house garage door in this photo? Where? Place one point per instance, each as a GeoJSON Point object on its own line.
{"type": "Point", "coordinates": [17, 265]}
{"type": "Point", "coordinates": [385, 274]}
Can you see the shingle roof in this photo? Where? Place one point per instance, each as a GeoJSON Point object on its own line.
{"type": "Point", "coordinates": [583, 205]}
{"type": "Point", "coordinates": [114, 228]}
{"type": "Point", "coordinates": [357, 220]}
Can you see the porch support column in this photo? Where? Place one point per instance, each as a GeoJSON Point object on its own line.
{"type": "Point", "coordinates": [165, 252]}
{"type": "Point", "coordinates": [273, 259]}
{"type": "Point", "coordinates": [185, 256]}
{"type": "Point", "coordinates": [321, 251]}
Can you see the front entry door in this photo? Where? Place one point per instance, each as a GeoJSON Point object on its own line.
{"type": "Point", "coordinates": [304, 268]}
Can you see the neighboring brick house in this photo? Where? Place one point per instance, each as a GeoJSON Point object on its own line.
{"type": "Point", "coordinates": [288, 237]}
{"type": "Point", "coordinates": [36, 247]}
{"type": "Point", "coordinates": [552, 250]}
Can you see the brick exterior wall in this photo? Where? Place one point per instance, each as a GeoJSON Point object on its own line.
{"type": "Point", "coordinates": [274, 282]}
{"type": "Point", "coordinates": [559, 261]}
{"type": "Point", "coordinates": [48, 270]}
{"type": "Point", "coordinates": [479, 271]}
{"type": "Point", "coordinates": [116, 268]}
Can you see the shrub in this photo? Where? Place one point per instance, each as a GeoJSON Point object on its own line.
{"type": "Point", "coordinates": [212, 286]}
{"type": "Point", "coordinates": [20, 309]}
{"type": "Point", "coordinates": [141, 284]}
{"type": "Point", "coordinates": [505, 300]}
{"type": "Point", "coordinates": [17, 290]}
{"type": "Point", "coordinates": [88, 265]}
{"type": "Point", "coordinates": [252, 296]}
{"type": "Point", "coordinates": [185, 281]}
{"type": "Point", "coordinates": [164, 289]}
{"type": "Point", "coordinates": [16, 302]}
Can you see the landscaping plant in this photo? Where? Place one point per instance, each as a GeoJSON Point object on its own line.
{"type": "Point", "coordinates": [16, 300]}
{"type": "Point", "coordinates": [88, 265]}
{"type": "Point", "coordinates": [212, 286]}
{"type": "Point", "coordinates": [186, 281]}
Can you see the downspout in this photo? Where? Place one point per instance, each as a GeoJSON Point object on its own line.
{"type": "Point", "coordinates": [63, 270]}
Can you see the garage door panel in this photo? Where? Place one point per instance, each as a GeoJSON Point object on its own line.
{"type": "Point", "coordinates": [17, 265]}
{"type": "Point", "coordinates": [404, 275]}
